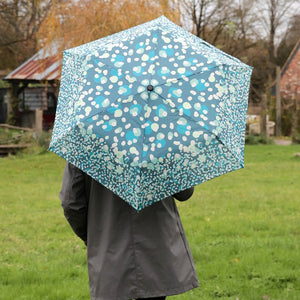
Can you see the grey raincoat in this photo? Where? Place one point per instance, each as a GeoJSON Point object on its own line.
{"type": "Point", "coordinates": [130, 254]}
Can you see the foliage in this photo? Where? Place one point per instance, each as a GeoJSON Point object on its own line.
{"type": "Point", "coordinates": [43, 139]}
{"type": "Point", "coordinates": [257, 57]}
{"type": "Point", "coordinates": [289, 40]}
{"type": "Point", "coordinates": [37, 143]}
{"type": "Point", "coordinates": [13, 136]}
{"type": "Point", "coordinates": [296, 139]}
{"type": "Point", "coordinates": [75, 23]}
{"type": "Point", "coordinates": [258, 139]}
{"type": "Point", "coordinates": [286, 122]}
{"type": "Point", "coordinates": [243, 230]}
{"type": "Point", "coordinates": [287, 114]}
{"type": "Point", "coordinates": [3, 84]}
{"type": "Point", "coordinates": [19, 22]}
{"type": "Point", "coordinates": [13, 116]}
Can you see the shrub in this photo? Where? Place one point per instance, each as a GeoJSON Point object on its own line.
{"type": "Point", "coordinates": [258, 139]}
{"type": "Point", "coordinates": [296, 139]}
{"type": "Point", "coordinates": [39, 144]}
{"type": "Point", "coordinates": [43, 139]}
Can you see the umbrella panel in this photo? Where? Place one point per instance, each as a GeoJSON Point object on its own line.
{"type": "Point", "coordinates": [145, 144]}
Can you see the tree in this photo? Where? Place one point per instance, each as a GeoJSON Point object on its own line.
{"type": "Point", "coordinates": [77, 22]}
{"type": "Point", "coordinates": [20, 21]}
{"type": "Point", "coordinates": [229, 26]}
{"type": "Point", "coordinates": [289, 40]}
{"type": "Point", "coordinates": [274, 15]}
{"type": "Point", "coordinates": [207, 18]}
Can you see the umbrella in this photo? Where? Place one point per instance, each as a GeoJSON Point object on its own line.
{"type": "Point", "coordinates": [151, 111]}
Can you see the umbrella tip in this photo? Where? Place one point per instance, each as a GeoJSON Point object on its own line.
{"type": "Point", "coordinates": [150, 87]}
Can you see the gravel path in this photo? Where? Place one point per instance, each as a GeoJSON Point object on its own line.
{"type": "Point", "coordinates": [282, 142]}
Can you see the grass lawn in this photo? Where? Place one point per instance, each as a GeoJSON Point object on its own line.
{"type": "Point", "coordinates": [243, 229]}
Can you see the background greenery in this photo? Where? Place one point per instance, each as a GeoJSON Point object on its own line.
{"type": "Point", "coordinates": [243, 229]}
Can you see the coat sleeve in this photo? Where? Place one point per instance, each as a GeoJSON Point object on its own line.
{"type": "Point", "coordinates": [184, 195]}
{"type": "Point", "coordinates": [74, 200]}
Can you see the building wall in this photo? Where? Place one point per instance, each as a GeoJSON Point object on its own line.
{"type": "Point", "coordinates": [290, 80]}
{"type": "Point", "coordinates": [32, 99]}
{"type": "Point", "coordinates": [35, 98]}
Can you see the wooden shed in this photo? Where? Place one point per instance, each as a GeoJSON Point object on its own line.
{"type": "Point", "coordinates": [34, 86]}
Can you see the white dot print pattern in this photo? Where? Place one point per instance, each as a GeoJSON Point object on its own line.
{"type": "Point", "coordinates": [151, 111]}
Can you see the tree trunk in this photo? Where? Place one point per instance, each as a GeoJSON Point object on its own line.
{"type": "Point", "coordinates": [263, 115]}
{"type": "Point", "coordinates": [278, 103]}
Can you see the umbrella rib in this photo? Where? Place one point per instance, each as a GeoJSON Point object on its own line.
{"type": "Point", "coordinates": [188, 117]}
{"type": "Point", "coordinates": [155, 59]}
{"type": "Point", "coordinates": [183, 78]}
{"type": "Point", "coordinates": [106, 108]}
{"type": "Point", "coordinates": [208, 131]}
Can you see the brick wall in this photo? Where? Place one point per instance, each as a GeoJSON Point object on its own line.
{"type": "Point", "coordinates": [290, 80]}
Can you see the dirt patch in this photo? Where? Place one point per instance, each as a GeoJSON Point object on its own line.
{"type": "Point", "coordinates": [282, 142]}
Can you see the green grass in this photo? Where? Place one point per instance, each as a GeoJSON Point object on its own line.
{"type": "Point", "coordinates": [243, 229]}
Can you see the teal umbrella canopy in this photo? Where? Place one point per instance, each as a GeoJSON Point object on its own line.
{"type": "Point", "coordinates": [151, 111]}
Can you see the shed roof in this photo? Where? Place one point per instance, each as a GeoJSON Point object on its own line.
{"type": "Point", "coordinates": [44, 65]}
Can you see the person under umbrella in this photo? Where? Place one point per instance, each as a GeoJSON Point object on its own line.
{"type": "Point", "coordinates": [131, 254]}
{"type": "Point", "coordinates": [143, 116]}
